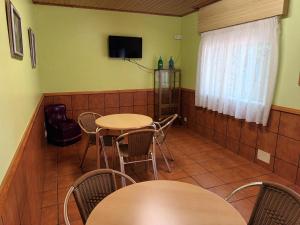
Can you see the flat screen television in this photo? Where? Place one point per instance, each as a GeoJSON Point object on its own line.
{"type": "Point", "coordinates": [125, 47]}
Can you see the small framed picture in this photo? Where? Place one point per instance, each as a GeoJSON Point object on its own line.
{"type": "Point", "coordinates": [14, 30]}
{"type": "Point", "coordinates": [32, 47]}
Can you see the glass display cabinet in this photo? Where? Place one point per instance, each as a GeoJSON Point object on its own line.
{"type": "Point", "coordinates": [167, 93]}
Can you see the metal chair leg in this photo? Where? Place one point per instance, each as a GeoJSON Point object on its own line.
{"type": "Point", "coordinates": [122, 168]}
{"type": "Point", "coordinates": [154, 167]}
{"type": "Point", "coordinates": [84, 154]}
{"type": "Point", "coordinates": [165, 158]}
{"type": "Point", "coordinates": [105, 158]}
{"type": "Point", "coordinates": [170, 153]}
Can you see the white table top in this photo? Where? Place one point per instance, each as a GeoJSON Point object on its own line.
{"type": "Point", "coordinates": [124, 121]}
{"type": "Point", "coordinates": [164, 203]}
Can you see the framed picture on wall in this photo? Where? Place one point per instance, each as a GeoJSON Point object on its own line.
{"type": "Point", "coordinates": [14, 30]}
{"type": "Point", "coordinates": [32, 47]}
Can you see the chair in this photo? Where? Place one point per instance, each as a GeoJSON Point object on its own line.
{"type": "Point", "coordinates": [61, 131]}
{"type": "Point", "coordinates": [91, 188]}
{"type": "Point", "coordinates": [138, 146]}
{"type": "Point", "coordinates": [160, 137]}
{"type": "Point", "coordinates": [275, 204]}
{"type": "Point", "coordinates": [87, 123]}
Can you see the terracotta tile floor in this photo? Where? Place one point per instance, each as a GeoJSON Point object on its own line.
{"type": "Point", "coordinates": [198, 161]}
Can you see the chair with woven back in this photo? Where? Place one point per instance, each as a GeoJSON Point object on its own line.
{"type": "Point", "coordinates": [135, 147]}
{"type": "Point", "coordinates": [87, 123]}
{"type": "Point", "coordinates": [275, 204]}
{"type": "Point", "coordinates": [91, 188]}
{"type": "Point", "coordinates": [162, 128]}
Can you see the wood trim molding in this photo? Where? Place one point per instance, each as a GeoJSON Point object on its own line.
{"type": "Point", "coordinates": [228, 13]}
{"type": "Point", "coordinates": [7, 180]}
{"type": "Point", "coordinates": [96, 92]}
{"type": "Point", "coordinates": [107, 9]}
{"type": "Point", "coordinates": [286, 109]}
{"type": "Point", "coordinates": [274, 107]}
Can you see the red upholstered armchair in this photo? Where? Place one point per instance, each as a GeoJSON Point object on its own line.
{"type": "Point", "coordinates": [60, 130]}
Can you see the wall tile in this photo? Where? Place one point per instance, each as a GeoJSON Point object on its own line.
{"type": "Point", "coordinates": [285, 170]}
{"type": "Point", "coordinates": [209, 133]}
{"type": "Point", "coordinates": [126, 99]}
{"type": "Point", "coordinates": [232, 144]}
{"type": "Point", "coordinates": [209, 119]}
{"type": "Point", "coordinates": [220, 123]}
{"type": "Point", "coordinates": [10, 214]}
{"type": "Point", "coordinates": [150, 97]}
{"type": "Point", "coordinates": [290, 125]}
{"type": "Point", "coordinates": [268, 166]}
{"type": "Point", "coordinates": [200, 130]}
{"type": "Point", "coordinates": [126, 109]}
{"type": "Point", "coordinates": [191, 98]}
{"type": "Point", "coordinates": [249, 134]}
{"type": "Point", "coordinates": [48, 100]}
{"type": "Point", "coordinates": [99, 111]}
{"type": "Point", "coordinates": [288, 150]}
{"type": "Point", "coordinates": [150, 110]}
{"type": "Point", "coordinates": [234, 128]}
{"type": "Point", "coordinates": [63, 99]}
{"type": "Point", "coordinates": [220, 139]}
{"type": "Point", "coordinates": [192, 118]}
{"type": "Point", "coordinates": [247, 152]}
{"type": "Point", "coordinates": [140, 98]}
{"type": "Point", "coordinates": [140, 109]}
{"type": "Point", "coordinates": [298, 177]}
{"type": "Point", "coordinates": [266, 140]}
{"type": "Point", "coordinates": [112, 100]}
{"type": "Point", "coordinates": [185, 97]}
{"type": "Point", "coordinates": [76, 113]}
{"type": "Point", "coordinates": [80, 102]}
{"type": "Point", "coordinates": [96, 101]}
{"type": "Point", "coordinates": [111, 110]}
{"type": "Point", "coordinates": [200, 114]}
{"type": "Point", "coordinates": [273, 123]}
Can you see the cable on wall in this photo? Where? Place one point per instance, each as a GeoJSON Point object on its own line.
{"type": "Point", "coordinates": [140, 66]}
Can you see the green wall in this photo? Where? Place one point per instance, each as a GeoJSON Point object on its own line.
{"type": "Point", "coordinates": [73, 53]}
{"type": "Point", "coordinates": [287, 91]}
{"type": "Point", "coordinates": [189, 50]}
{"type": "Point", "coordinates": [19, 87]}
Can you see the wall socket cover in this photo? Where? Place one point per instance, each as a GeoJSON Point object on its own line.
{"type": "Point", "coordinates": [178, 37]}
{"type": "Point", "coordinates": [263, 156]}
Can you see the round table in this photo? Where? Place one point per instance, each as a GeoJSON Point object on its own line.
{"type": "Point", "coordinates": [164, 203]}
{"type": "Point", "coordinates": [126, 121]}
{"type": "Point", "coordinates": [121, 122]}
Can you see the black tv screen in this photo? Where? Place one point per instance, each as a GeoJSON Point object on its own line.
{"type": "Point", "coordinates": [125, 47]}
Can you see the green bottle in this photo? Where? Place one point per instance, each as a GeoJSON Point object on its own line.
{"type": "Point", "coordinates": [171, 63]}
{"type": "Point", "coordinates": [160, 63]}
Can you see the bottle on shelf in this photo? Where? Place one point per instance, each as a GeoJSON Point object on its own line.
{"type": "Point", "coordinates": [171, 64]}
{"type": "Point", "coordinates": [160, 63]}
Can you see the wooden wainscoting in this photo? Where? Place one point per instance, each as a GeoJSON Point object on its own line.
{"type": "Point", "coordinates": [280, 138]}
{"type": "Point", "coordinates": [20, 191]}
{"type": "Point", "coordinates": [106, 102]}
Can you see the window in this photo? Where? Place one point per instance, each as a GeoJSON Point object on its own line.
{"type": "Point", "coordinates": [237, 69]}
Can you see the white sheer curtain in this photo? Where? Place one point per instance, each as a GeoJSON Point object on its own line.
{"type": "Point", "coordinates": [237, 70]}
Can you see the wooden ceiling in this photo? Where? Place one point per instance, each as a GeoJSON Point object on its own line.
{"type": "Point", "coordinates": [160, 7]}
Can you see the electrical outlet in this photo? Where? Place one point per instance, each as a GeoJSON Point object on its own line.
{"type": "Point", "coordinates": [178, 37]}
{"type": "Point", "coordinates": [263, 156]}
{"type": "Point", "coordinates": [185, 119]}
